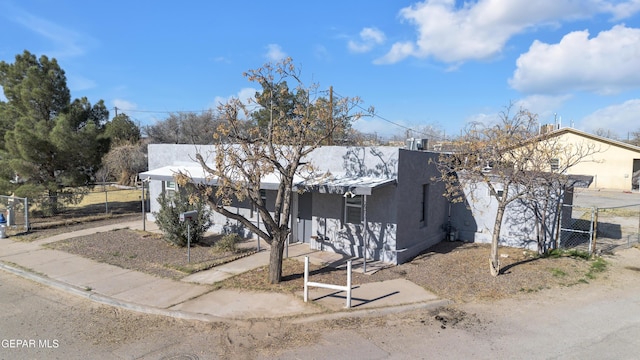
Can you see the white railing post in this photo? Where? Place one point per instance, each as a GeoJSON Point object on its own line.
{"type": "Point", "coordinates": [308, 283]}
{"type": "Point", "coordinates": [306, 278]}
{"type": "Point", "coordinates": [348, 284]}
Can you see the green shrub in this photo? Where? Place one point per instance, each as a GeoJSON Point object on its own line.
{"type": "Point", "coordinates": [228, 242]}
{"type": "Point", "coordinates": [168, 218]}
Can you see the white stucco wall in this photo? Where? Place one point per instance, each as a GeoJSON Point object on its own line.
{"type": "Point", "coordinates": [475, 220]}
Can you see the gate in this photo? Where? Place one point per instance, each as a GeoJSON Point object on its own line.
{"type": "Point", "coordinates": [16, 211]}
{"type": "Point", "coordinates": [577, 226]}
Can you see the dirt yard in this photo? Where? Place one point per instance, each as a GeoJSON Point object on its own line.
{"type": "Point", "coordinates": [453, 270]}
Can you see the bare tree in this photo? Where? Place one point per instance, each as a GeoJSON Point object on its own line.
{"type": "Point", "coordinates": [634, 138]}
{"type": "Point", "coordinates": [244, 155]}
{"type": "Point", "coordinates": [514, 162]}
{"type": "Point", "coordinates": [124, 162]}
{"type": "Point", "coordinates": [184, 128]}
{"type": "Point", "coordinates": [605, 133]}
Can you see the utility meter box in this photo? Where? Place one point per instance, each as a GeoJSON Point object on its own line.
{"type": "Point", "coordinates": [188, 216]}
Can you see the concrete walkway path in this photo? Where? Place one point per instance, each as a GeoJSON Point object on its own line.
{"type": "Point", "coordinates": [195, 297]}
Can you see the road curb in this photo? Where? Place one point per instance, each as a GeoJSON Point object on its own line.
{"type": "Point", "coordinates": [294, 319]}
{"type": "Point", "coordinates": [106, 300]}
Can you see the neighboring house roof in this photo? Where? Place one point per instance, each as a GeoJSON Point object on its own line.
{"type": "Point", "coordinates": [612, 142]}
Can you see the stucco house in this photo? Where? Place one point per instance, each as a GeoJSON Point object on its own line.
{"type": "Point", "coordinates": [525, 221]}
{"type": "Point", "coordinates": [615, 165]}
{"type": "Point", "coordinates": [378, 201]}
{"type": "Point", "coordinates": [381, 202]}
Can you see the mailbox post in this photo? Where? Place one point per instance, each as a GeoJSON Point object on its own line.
{"type": "Point", "coordinates": [188, 216]}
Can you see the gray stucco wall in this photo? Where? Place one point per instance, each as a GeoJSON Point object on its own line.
{"type": "Point", "coordinates": [332, 234]}
{"type": "Point", "coordinates": [415, 169]}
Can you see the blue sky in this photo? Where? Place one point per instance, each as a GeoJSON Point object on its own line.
{"type": "Point", "coordinates": [439, 63]}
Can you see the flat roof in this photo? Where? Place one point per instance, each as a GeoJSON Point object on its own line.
{"type": "Point", "coordinates": [327, 183]}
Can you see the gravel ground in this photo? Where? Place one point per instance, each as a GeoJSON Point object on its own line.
{"type": "Point", "coordinates": [453, 270]}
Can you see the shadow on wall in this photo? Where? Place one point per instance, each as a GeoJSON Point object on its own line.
{"type": "Point", "coordinates": [462, 224]}
{"type": "Point", "coordinates": [355, 166]}
{"type": "Point", "coordinates": [524, 225]}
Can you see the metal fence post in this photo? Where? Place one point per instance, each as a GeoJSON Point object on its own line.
{"type": "Point", "coordinates": [594, 231]}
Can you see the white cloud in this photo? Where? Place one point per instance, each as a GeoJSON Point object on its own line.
{"type": "Point", "coordinates": [543, 105]}
{"type": "Point", "coordinates": [275, 53]}
{"type": "Point", "coordinates": [67, 42]}
{"type": "Point", "coordinates": [605, 64]}
{"type": "Point", "coordinates": [374, 125]}
{"type": "Point", "coordinates": [481, 118]}
{"type": "Point", "coordinates": [621, 10]}
{"type": "Point", "coordinates": [369, 37]}
{"type": "Point", "coordinates": [619, 118]}
{"type": "Point", "coordinates": [321, 53]}
{"type": "Point", "coordinates": [478, 30]}
{"type": "Point", "coordinates": [124, 105]}
{"type": "Point", "coordinates": [246, 95]}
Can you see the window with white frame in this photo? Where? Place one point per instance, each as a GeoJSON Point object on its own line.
{"type": "Point", "coordinates": [170, 187]}
{"type": "Point", "coordinates": [353, 209]}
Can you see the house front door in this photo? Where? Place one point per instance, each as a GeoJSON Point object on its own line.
{"type": "Point", "coordinates": [304, 217]}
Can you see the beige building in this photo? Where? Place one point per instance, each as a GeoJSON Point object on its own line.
{"type": "Point", "coordinates": [614, 165]}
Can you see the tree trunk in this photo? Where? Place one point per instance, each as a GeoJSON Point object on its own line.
{"type": "Point", "coordinates": [275, 257]}
{"type": "Point", "coordinates": [494, 261]}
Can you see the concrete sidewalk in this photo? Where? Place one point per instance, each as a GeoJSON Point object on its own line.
{"type": "Point", "coordinates": [195, 297]}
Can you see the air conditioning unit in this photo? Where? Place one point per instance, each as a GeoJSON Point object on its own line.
{"type": "Point", "coordinates": [417, 144]}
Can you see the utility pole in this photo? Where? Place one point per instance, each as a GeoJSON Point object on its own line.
{"type": "Point", "coordinates": [331, 115]}
{"type": "Point", "coordinates": [116, 109]}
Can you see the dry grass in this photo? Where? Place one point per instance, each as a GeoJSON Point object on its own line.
{"type": "Point", "coordinates": [149, 252]}
{"type": "Point", "coordinates": [457, 271]}
{"type": "Point", "coordinates": [453, 270]}
{"type": "Point", "coordinates": [99, 195]}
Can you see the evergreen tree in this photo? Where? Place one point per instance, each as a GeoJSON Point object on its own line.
{"type": "Point", "coordinates": [122, 130]}
{"type": "Point", "coordinates": [50, 143]}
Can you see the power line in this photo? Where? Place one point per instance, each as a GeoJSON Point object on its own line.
{"type": "Point", "coordinates": [206, 110]}
{"type": "Point", "coordinates": [387, 120]}
{"type": "Point", "coordinates": [161, 111]}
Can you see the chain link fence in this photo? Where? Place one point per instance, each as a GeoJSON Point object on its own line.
{"type": "Point", "coordinates": [98, 200]}
{"type": "Point", "coordinates": [599, 229]}
{"type": "Point", "coordinates": [14, 211]}
{"type": "Point", "coordinates": [617, 227]}
{"type": "Point", "coordinates": [577, 226]}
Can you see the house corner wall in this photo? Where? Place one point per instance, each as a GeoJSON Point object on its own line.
{"type": "Point", "coordinates": [415, 170]}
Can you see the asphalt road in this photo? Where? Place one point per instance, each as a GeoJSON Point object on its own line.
{"type": "Point", "coordinates": [37, 322]}
{"type": "Point", "coordinates": [599, 320]}
{"type": "Point", "coordinates": [605, 198]}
